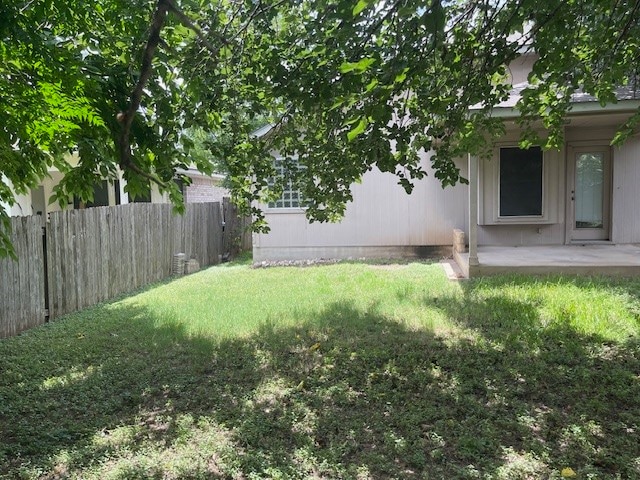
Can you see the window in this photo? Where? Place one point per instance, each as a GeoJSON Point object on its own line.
{"type": "Point", "coordinates": [181, 186]}
{"type": "Point", "coordinates": [521, 186]}
{"type": "Point", "coordinates": [521, 177]}
{"type": "Point", "coordinates": [116, 185]}
{"type": "Point", "coordinates": [100, 196]}
{"type": "Point", "coordinates": [291, 196]}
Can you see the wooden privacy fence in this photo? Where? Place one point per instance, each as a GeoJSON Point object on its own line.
{"type": "Point", "coordinates": [83, 257]}
{"type": "Point", "coordinates": [22, 283]}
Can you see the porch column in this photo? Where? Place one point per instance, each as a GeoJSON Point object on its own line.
{"type": "Point", "coordinates": [124, 196]}
{"type": "Point", "coordinates": [473, 213]}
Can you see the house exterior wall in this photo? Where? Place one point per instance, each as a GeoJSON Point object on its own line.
{"type": "Point", "coordinates": [519, 69]}
{"type": "Point", "coordinates": [625, 213]}
{"type": "Point", "coordinates": [204, 189]}
{"type": "Point", "coordinates": [382, 221]}
{"type": "Point", "coordinates": [37, 201]}
{"type": "Point", "coordinates": [157, 196]}
{"type": "Point", "coordinates": [21, 207]}
{"type": "Point", "coordinates": [48, 185]}
{"type": "Point", "coordinates": [521, 235]}
{"type": "Point", "coordinates": [547, 231]}
{"type": "Point", "coordinates": [552, 231]}
{"type": "Point", "coordinates": [625, 196]}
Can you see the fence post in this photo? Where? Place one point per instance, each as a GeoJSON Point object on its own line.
{"type": "Point", "coordinates": [45, 269]}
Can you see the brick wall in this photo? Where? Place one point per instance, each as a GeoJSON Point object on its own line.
{"type": "Point", "coordinates": [203, 189]}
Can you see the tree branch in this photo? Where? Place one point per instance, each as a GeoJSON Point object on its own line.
{"type": "Point", "coordinates": [132, 166]}
{"type": "Point", "coordinates": [231, 19]}
{"type": "Point", "coordinates": [126, 118]}
{"type": "Point", "coordinates": [624, 31]}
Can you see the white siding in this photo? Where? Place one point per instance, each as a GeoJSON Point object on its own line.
{"type": "Point", "coordinates": [21, 205]}
{"type": "Point", "coordinates": [551, 231]}
{"type": "Point", "coordinates": [520, 235]}
{"type": "Point", "coordinates": [381, 215]}
{"type": "Point", "coordinates": [156, 196]}
{"type": "Point", "coordinates": [49, 184]}
{"type": "Point", "coordinates": [5, 206]}
{"type": "Point", "coordinates": [626, 193]}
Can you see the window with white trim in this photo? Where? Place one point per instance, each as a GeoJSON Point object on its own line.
{"type": "Point", "coordinates": [521, 186]}
{"type": "Point", "coordinates": [521, 177]}
{"type": "Point", "coordinates": [291, 196]}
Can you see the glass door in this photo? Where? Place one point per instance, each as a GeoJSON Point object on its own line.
{"type": "Point", "coordinates": [590, 194]}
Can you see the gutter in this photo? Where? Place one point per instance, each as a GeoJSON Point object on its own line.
{"type": "Point", "coordinates": [577, 109]}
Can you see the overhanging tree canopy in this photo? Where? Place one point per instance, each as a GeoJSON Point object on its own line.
{"type": "Point", "coordinates": [349, 84]}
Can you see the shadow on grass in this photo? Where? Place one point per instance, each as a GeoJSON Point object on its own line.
{"type": "Point", "coordinates": [346, 394]}
{"type": "Point", "coordinates": [568, 397]}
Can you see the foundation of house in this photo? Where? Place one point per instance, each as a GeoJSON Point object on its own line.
{"type": "Point", "coordinates": [436, 252]}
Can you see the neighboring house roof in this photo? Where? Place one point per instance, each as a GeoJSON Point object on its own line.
{"type": "Point", "coordinates": [262, 131]}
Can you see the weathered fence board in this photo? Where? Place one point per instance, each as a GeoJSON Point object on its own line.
{"type": "Point", "coordinates": [22, 298]}
{"type": "Point", "coordinates": [100, 253]}
{"type": "Point", "coordinates": [237, 230]}
{"type": "Point", "coordinates": [97, 254]}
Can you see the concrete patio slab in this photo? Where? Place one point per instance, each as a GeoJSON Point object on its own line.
{"type": "Point", "coordinates": [583, 259]}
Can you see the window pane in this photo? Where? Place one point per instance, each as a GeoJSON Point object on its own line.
{"type": "Point", "coordinates": [589, 190]}
{"type": "Point", "coordinates": [291, 196]}
{"type": "Point", "coordinates": [100, 196]}
{"type": "Point", "coordinates": [520, 182]}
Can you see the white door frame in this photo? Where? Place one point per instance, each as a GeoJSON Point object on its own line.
{"type": "Point", "coordinates": [574, 235]}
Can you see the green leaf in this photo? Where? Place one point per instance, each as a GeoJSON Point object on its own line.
{"type": "Point", "coordinates": [360, 6]}
{"type": "Point", "coordinates": [434, 19]}
{"type": "Point", "coordinates": [358, 129]}
{"type": "Point", "coordinates": [401, 77]}
{"type": "Point", "coordinates": [372, 84]}
{"type": "Point", "coordinates": [357, 67]}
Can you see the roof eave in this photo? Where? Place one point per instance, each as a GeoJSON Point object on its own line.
{"type": "Point", "coordinates": [578, 108]}
{"type": "Point", "coordinates": [193, 172]}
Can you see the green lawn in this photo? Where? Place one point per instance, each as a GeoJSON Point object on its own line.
{"type": "Point", "coordinates": [341, 371]}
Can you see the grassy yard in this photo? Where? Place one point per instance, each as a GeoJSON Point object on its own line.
{"type": "Point", "coordinates": [342, 371]}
